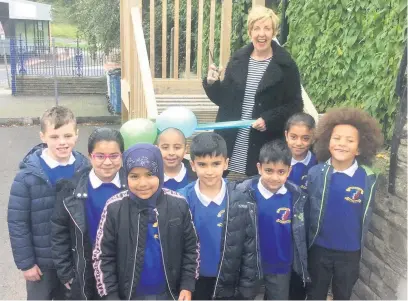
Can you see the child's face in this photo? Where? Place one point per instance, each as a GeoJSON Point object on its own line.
{"type": "Point", "coordinates": [61, 141]}
{"type": "Point", "coordinates": [273, 174]}
{"type": "Point", "coordinates": [343, 144]}
{"type": "Point", "coordinates": [173, 148]}
{"type": "Point", "coordinates": [142, 182]}
{"type": "Point", "coordinates": [299, 139]}
{"type": "Point", "coordinates": [106, 168]}
{"type": "Point", "coordinates": [209, 169]}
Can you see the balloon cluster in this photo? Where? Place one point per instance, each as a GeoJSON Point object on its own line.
{"type": "Point", "coordinates": [142, 130]}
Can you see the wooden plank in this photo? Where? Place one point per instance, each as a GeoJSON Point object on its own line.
{"type": "Point", "coordinates": [212, 31]}
{"type": "Point", "coordinates": [144, 70]}
{"type": "Point", "coordinates": [164, 39]}
{"type": "Point", "coordinates": [152, 37]}
{"type": "Point", "coordinates": [178, 86]}
{"type": "Point", "coordinates": [188, 39]}
{"type": "Point", "coordinates": [258, 2]}
{"type": "Point", "coordinates": [176, 38]}
{"type": "Point", "coordinates": [225, 41]}
{"type": "Point", "coordinates": [200, 37]}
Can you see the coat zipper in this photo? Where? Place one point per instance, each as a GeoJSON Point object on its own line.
{"type": "Point", "coordinates": [365, 214]}
{"type": "Point", "coordinates": [161, 249]}
{"type": "Point", "coordinates": [134, 263]}
{"type": "Point", "coordinates": [301, 264]}
{"type": "Point", "coordinates": [256, 241]}
{"type": "Point", "coordinates": [225, 242]}
{"type": "Point", "coordinates": [321, 205]}
{"type": "Point", "coordinates": [83, 250]}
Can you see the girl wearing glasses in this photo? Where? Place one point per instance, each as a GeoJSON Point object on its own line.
{"type": "Point", "coordinates": [80, 202]}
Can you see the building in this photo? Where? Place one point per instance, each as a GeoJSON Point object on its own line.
{"type": "Point", "coordinates": [26, 20]}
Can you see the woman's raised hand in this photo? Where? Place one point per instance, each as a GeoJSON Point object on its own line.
{"type": "Point", "coordinates": [213, 74]}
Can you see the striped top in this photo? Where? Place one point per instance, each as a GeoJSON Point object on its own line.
{"type": "Point", "coordinates": [256, 70]}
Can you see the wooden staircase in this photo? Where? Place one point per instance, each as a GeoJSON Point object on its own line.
{"type": "Point", "coordinates": [146, 96]}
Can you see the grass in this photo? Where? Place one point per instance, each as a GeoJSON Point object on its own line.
{"type": "Point", "coordinates": [63, 30]}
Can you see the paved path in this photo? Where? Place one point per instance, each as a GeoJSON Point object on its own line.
{"type": "Point", "coordinates": [16, 142]}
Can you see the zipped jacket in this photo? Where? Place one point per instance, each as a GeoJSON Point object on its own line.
{"type": "Point", "coordinates": [318, 183]}
{"type": "Point", "coordinates": [120, 245]}
{"type": "Point", "coordinates": [239, 267]}
{"type": "Point", "coordinates": [70, 243]}
{"type": "Point", "coordinates": [299, 264]}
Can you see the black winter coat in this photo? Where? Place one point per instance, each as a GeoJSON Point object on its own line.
{"type": "Point", "coordinates": [239, 268]}
{"type": "Point", "coordinates": [70, 244]}
{"type": "Point", "coordinates": [31, 203]}
{"type": "Point", "coordinates": [120, 245]}
{"type": "Point", "coordinates": [277, 98]}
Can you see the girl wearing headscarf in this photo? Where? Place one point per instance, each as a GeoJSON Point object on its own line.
{"type": "Point", "coordinates": [146, 246]}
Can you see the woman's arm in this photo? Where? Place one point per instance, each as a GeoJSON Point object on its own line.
{"type": "Point", "coordinates": [216, 90]}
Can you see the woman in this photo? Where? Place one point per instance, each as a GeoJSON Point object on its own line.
{"type": "Point", "coordinates": [79, 206]}
{"type": "Point", "coordinates": [261, 82]}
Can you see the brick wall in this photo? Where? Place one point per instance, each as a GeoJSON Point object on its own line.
{"type": "Point", "coordinates": [383, 269]}
{"type": "Point", "coordinates": [31, 85]}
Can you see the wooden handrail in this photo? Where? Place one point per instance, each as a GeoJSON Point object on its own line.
{"type": "Point", "coordinates": [143, 63]}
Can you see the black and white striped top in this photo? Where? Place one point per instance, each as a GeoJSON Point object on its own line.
{"type": "Point", "coordinates": [256, 70]}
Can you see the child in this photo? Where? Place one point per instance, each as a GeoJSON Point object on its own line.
{"type": "Point", "coordinates": [146, 246]}
{"type": "Point", "coordinates": [177, 170]}
{"type": "Point", "coordinates": [299, 137]}
{"type": "Point", "coordinates": [341, 192]}
{"type": "Point", "coordinates": [79, 206]}
{"type": "Point", "coordinates": [225, 224]}
{"type": "Point", "coordinates": [281, 228]}
{"type": "Point", "coordinates": [32, 199]}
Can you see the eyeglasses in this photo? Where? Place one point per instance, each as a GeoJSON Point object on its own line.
{"type": "Point", "coordinates": [100, 158]}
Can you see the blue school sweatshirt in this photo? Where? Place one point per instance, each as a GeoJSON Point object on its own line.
{"type": "Point", "coordinates": [342, 222]}
{"type": "Point", "coordinates": [95, 203]}
{"type": "Point", "coordinates": [208, 220]}
{"type": "Point", "coordinates": [275, 230]}
{"type": "Point", "coordinates": [298, 174]}
{"type": "Point", "coordinates": [59, 172]}
{"type": "Point", "coordinates": [152, 278]}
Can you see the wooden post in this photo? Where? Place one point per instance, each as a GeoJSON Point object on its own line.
{"type": "Point", "coordinates": [200, 37]}
{"type": "Point", "coordinates": [225, 42]}
{"type": "Point", "coordinates": [152, 38]}
{"type": "Point", "coordinates": [188, 39]}
{"type": "Point", "coordinates": [176, 37]}
{"type": "Point", "coordinates": [164, 39]}
{"type": "Point", "coordinates": [212, 31]}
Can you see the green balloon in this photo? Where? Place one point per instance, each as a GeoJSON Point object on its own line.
{"type": "Point", "coordinates": [138, 130]}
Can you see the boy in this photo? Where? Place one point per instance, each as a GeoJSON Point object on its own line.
{"type": "Point", "coordinates": [225, 224]}
{"type": "Point", "coordinates": [177, 170]}
{"type": "Point", "coordinates": [341, 192]}
{"type": "Point", "coordinates": [32, 199]}
{"type": "Point", "coordinates": [281, 228]}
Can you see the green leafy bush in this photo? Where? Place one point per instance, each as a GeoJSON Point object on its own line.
{"type": "Point", "coordinates": [348, 53]}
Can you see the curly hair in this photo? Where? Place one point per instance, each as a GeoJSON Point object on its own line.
{"type": "Point", "coordinates": [370, 136]}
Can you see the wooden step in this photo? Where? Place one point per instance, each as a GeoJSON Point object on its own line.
{"type": "Point", "coordinates": [200, 105]}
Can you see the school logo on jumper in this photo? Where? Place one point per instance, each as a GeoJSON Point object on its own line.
{"type": "Point", "coordinates": [304, 180]}
{"type": "Point", "coordinates": [354, 194]}
{"type": "Point", "coordinates": [219, 215]}
{"type": "Point", "coordinates": [156, 235]}
{"type": "Point", "coordinates": [284, 215]}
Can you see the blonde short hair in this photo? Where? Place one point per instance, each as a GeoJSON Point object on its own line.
{"type": "Point", "coordinates": [260, 12]}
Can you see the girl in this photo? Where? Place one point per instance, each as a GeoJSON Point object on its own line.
{"type": "Point", "coordinates": [299, 137]}
{"type": "Point", "coordinates": [79, 206]}
{"type": "Point", "coordinates": [146, 246]}
{"type": "Point", "coordinates": [341, 194]}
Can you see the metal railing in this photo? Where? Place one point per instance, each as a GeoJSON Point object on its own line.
{"type": "Point", "coordinates": [47, 60]}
